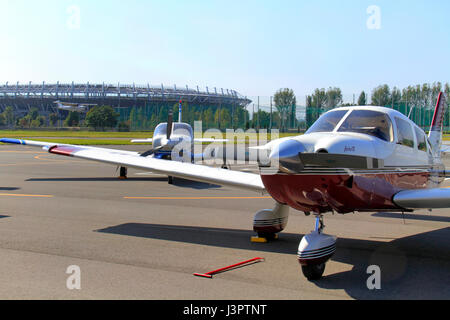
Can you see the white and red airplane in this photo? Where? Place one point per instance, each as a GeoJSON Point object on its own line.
{"type": "Point", "coordinates": [352, 159]}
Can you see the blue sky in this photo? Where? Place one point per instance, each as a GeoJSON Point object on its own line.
{"type": "Point", "coordinates": [254, 47]}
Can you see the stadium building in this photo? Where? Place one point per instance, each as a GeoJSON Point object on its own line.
{"type": "Point", "coordinates": [145, 100]}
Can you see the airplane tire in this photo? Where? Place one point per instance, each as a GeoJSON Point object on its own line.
{"type": "Point", "coordinates": [123, 172]}
{"type": "Point", "coordinates": [313, 272]}
{"type": "Point", "coordinates": [170, 180]}
{"type": "Point", "coordinates": [268, 236]}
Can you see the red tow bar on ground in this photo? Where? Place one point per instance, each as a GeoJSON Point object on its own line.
{"type": "Point", "coordinates": [240, 264]}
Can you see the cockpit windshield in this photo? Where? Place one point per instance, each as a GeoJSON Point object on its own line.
{"type": "Point", "coordinates": [369, 122]}
{"type": "Point", "coordinates": [327, 122]}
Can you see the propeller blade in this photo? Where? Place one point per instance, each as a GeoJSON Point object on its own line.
{"type": "Point", "coordinates": [169, 123]}
{"type": "Point", "coordinates": [150, 152]}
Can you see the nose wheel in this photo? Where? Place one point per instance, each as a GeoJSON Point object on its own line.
{"type": "Point", "coordinates": [313, 272]}
{"type": "Point", "coordinates": [315, 249]}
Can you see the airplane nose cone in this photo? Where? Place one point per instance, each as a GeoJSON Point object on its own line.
{"type": "Point", "coordinates": [287, 149]}
{"type": "Point", "coordinates": [286, 153]}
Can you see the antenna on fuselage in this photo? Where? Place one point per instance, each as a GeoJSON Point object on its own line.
{"type": "Point", "coordinates": [179, 112]}
{"type": "Point", "coordinates": [410, 111]}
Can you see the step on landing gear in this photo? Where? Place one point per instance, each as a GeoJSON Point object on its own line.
{"type": "Point", "coordinates": [315, 250]}
{"type": "Point", "coordinates": [268, 223]}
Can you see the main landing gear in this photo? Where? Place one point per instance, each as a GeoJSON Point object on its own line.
{"type": "Point", "coordinates": [268, 223]}
{"type": "Point", "coordinates": [123, 173]}
{"type": "Point", "coordinates": [314, 250]}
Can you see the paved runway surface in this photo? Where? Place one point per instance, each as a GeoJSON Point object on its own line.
{"type": "Point", "coordinates": [143, 239]}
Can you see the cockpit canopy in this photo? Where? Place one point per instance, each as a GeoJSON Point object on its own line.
{"type": "Point", "coordinates": [374, 123]}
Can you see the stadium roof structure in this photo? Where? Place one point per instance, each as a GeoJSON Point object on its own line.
{"type": "Point", "coordinates": [87, 91]}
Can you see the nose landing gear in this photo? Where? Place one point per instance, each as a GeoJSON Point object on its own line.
{"type": "Point", "coordinates": [315, 250]}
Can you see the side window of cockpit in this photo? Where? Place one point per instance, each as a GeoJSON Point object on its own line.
{"type": "Point", "coordinates": [405, 135]}
{"type": "Point", "coordinates": [421, 139]}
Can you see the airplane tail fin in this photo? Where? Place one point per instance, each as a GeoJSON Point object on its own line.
{"type": "Point", "coordinates": [435, 135]}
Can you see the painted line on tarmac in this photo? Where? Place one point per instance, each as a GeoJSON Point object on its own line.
{"type": "Point", "coordinates": [16, 151]}
{"type": "Point", "coordinates": [41, 156]}
{"type": "Point", "coordinates": [194, 198]}
{"type": "Point", "coordinates": [25, 195]}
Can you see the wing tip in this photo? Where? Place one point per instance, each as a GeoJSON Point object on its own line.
{"type": "Point", "coordinates": [12, 141]}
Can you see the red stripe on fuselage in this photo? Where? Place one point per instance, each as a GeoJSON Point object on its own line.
{"type": "Point", "coordinates": [340, 192]}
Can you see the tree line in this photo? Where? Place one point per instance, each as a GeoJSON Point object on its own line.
{"type": "Point", "coordinates": [98, 117]}
{"type": "Point", "coordinates": [419, 97]}
{"type": "Point", "coordinates": [282, 116]}
{"type": "Point", "coordinates": [222, 117]}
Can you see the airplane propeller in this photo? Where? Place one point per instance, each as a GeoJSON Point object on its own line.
{"type": "Point", "coordinates": [168, 135]}
{"type": "Point", "coordinates": [169, 124]}
{"type": "Point", "coordinates": [151, 151]}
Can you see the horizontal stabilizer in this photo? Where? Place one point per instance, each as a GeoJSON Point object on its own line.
{"type": "Point", "coordinates": [445, 148]}
{"type": "Point", "coordinates": [142, 140]}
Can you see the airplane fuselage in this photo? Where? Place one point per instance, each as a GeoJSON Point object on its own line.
{"type": "Point", "coordinates": [327, 177]}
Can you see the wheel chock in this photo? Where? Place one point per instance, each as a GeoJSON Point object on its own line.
{"type": "Point", "coordinates": [258, 239]}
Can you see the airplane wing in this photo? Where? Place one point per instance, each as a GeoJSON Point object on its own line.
{"type": "Point", "coordinates": [237, 179]}
{"type": "Point", "coordinates": [68, 104]}
{"type": "Point", "coordinates": [435, 198]}
{"type": "Point", "coordinates": [47, 145]}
